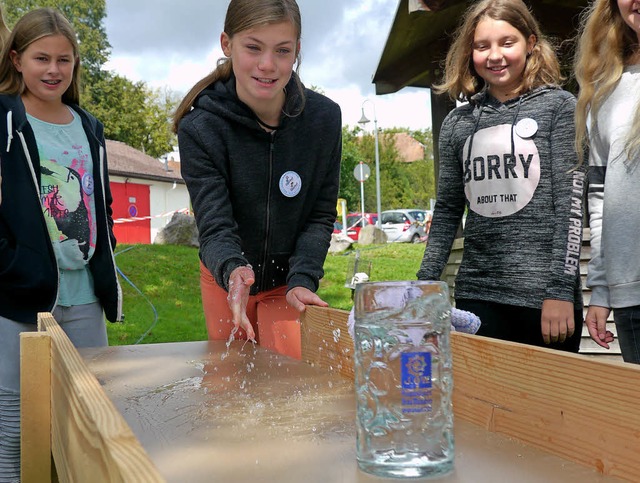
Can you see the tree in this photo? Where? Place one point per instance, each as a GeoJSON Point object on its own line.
{"type": "Point", "coordinates": [134, 114]}
{"type": "Point", "coordinates": [351, 156]}
{"type": "Point", "coordinates": [402, 185]}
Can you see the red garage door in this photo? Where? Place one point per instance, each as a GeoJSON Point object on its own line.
{"type": "Point", "coordinates": [131, 200]}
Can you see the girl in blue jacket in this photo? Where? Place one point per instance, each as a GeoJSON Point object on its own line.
{"type": "Point", "coordinates": [260, 156]}
{"type": "Point", "coordinates": [56, 238]}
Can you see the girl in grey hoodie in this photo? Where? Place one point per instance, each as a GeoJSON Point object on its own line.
{"type": "Point", "coordinates": [507, 157]}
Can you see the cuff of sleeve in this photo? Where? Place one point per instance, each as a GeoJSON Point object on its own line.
{"type": "Point", "coordinates": [426, 275]}
{"type": "Point", "coordinates": [229, 266]}
{"type": "Point", "coordinates": [600, 296]}
{"type": "Point", "coordinates": [302, 280]}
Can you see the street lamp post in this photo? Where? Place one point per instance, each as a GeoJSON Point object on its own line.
{"type": "Point", "coordinates": [363, 121]}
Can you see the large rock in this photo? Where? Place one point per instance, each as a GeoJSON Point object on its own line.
{"type": "Point", "coordinates": [340, 243]}
{"type": "Point", "coordinates": [181, 230]}
{"type": "Point", "coordinates": [372, 235]}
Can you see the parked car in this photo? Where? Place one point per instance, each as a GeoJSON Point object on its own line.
{"type": "Point", "coordinates": [404, 225]}
{"type": "Point", "coordinates": [355, 222]}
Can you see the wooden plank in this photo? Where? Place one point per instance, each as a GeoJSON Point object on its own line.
{"type": "Point", "coordinates": [584, 409]}
{"type": "Point", "coordinates": [90, 439]}
{"type": "Point", "coordinates": [580, 408]}
{"type": "Point", "coordinates": [326, 341]}
{"type": "Point", "coordinates": [35, 407]}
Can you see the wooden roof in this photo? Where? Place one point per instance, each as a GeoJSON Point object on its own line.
{"type": "Point", "coordinates": [129, 162]}
{"type": "Point", "coordinates": [421, 34]}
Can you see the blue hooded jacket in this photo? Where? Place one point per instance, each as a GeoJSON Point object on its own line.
{"type": "Point", "coordinates": [28, 268]}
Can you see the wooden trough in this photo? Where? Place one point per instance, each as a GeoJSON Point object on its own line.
{"type": "Point", "coordinates": [574, 407]}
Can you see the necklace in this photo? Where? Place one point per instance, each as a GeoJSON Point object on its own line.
{"type": "Point", "coordinates": [264, 124]}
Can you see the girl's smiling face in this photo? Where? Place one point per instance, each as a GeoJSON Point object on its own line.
{"type": "Point", "coordinates": [500, 56]}
{"type": "Point", "coordinates": [46, 66]}
{"type": "Point", "coordinates": [630, 13]}
{"type": "Point", "coordinates": [263, 59]}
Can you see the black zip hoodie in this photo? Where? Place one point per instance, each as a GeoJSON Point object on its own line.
{"type": "Point", "coordinates": [265, 199]}
{"type": "Point", "coordinates": [28, 268]}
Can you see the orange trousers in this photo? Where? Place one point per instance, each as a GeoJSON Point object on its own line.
{"type": "Point", "coordinates": [277, 325]}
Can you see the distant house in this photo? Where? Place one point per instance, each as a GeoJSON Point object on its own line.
{"type": "Point", "coordinates": [146, 193]}
{"type": "Point", "coordinates": [409, 148]}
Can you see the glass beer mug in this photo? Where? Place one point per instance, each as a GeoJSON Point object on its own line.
{"type": "Point", "coordinates": [403, 378]}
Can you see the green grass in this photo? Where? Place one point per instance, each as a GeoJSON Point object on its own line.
{"type": "Point", "coordinates": [166, 279]}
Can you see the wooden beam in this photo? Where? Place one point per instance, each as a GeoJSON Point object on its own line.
{"type": "Point", "coordinates": [35, 407]}
{"type": "Point", "coordinates": [90, 439]}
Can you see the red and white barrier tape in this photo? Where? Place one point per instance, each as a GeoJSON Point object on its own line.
{"type": "Point", "coordinates": [142, 218]}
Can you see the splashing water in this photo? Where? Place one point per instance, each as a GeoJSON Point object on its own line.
{"type": "Point", "coordinates": [336, 335]}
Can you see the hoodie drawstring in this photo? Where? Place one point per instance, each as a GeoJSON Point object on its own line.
{"type": "Point", "coordinates": [475, 129]}
{"type": "Point", "coordinates": [513, 126]}
{"type": "Point", "coordinates": [9, 129]}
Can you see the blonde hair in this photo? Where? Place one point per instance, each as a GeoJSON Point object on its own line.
{"type": "Point", "coordinates": [243, 15]}
{"type": "Point", "coordinates": [461, 81]}
{"type": "Point", "coordinates": [4, 31]}
{"type": "Point", "coordinates": [605, 43]}
{"type": "Point", "coordinates": [33, 26]}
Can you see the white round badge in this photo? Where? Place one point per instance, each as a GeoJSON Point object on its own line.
{"type": "Point", "coordinates": [526, 128]}
{"type": "Point", "coordinates": [87, 184]}
{"type": "Point", "coordinates": [290, 184]}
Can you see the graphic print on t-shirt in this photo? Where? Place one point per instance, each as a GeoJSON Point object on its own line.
{"type": "Point", "coordinates": [498, 183]}
{"type": "Point", "coordinates": [66, 189]}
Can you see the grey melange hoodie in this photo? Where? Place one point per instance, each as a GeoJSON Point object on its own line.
{"type": "Point", "coordinates": [614, 219]}
{"type": "Point", "coordinates": [512, 165]}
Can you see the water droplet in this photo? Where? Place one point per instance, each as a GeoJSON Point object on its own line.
{"type": "Point", "coordinates": [336, 335]}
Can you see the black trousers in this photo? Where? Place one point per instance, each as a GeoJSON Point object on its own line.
{"type": "Point", "coordinates": [518, 324]}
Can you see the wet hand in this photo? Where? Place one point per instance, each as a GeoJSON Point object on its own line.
{"type": "Point", "coordinates": [596, 322]}
{"type": "Point", "coordinates": [240, 282]}
{"type": "Point", "coordinates": [299, 297]}
{"type": "Point", "coordinates": [557, 320]}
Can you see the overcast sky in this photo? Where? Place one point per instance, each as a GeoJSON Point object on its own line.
{"type": "Point", "coordinates": [174, 43]}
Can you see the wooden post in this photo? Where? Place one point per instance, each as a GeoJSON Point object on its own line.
{"type": "Point", "coordinates": [35, 407]}
{"type": "Point", "coordinates": [90, 440]}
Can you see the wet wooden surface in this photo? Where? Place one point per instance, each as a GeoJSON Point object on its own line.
{"type": "Point", "coordinates": [204, 412]}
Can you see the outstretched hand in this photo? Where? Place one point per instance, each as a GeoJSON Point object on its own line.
{"type": "Point", "coordinates": [240, 282]}
{"type": "Point", "coordinates": [299, 297]}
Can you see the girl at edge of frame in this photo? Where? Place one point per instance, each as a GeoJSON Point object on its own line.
{"type": "Point", "coordinates": [56, 238]}
{"type": "Point", "coordinates": [607, 68]}
{"type": "Point", "coordinates": [4, 36]}
{"type": "Point", "coordinates": [260, 155]}
{"type": "Point", "coordinates": [508, 156]}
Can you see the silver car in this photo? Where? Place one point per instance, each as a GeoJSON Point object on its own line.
{"type": "Point", "coordinates": [404, 225]}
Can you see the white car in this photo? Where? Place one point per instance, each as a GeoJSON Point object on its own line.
{"type": "Point", "coordinates": [404, 225]}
